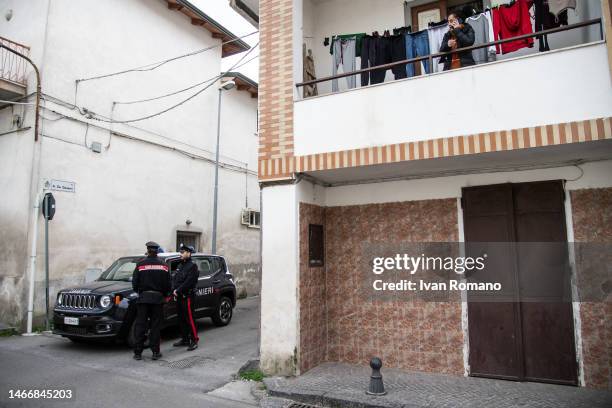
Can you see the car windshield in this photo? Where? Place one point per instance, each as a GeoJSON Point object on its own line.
{"type": "Point", "coordinates": [121, 270]}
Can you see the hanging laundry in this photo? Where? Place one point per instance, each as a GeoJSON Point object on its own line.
{"type": "Point", "coordinates": [436, 34]}
{"type": "Point", "coordinates": [417, 45]}
{"type": "Point", "coordinates": [512, 21]}
{"type": "Point", "coordinates": [496, 3]}
{"type": "Point", "coordinates": [480, 24]}
{"type": "Point", "coordinates": [344, 54]}
{"type": "Point", "coordinates": [309, 72]}
{"type": "Point", "coordinates": [358, 39]}
{"type": "Point", "coordinates": [545, 20]}
{"type": "Point", "coordinates": [398, 53]}
{"type": "Point", "coordinates": [492, 51]}
{"type": "Point", "coordinates": [558, 6]}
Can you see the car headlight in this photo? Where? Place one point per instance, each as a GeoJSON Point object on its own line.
{"type": "Point", "coordinates": [60, 298]}
{"type": "Point", "coordinates": [105, 301]}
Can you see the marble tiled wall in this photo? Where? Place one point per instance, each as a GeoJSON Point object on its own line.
{"type": "Point", "coordinates": [592, 218]}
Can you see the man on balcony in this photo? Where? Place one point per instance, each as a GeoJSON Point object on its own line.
{"type": "Point", "coordinates": [459, 35]}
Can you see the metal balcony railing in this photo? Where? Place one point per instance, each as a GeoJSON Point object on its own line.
{"type": "Point", "coordinates": [431, 57]}
{"type": "Point", "coordinates": [12, 66]}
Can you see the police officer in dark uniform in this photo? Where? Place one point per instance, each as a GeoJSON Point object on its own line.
{"type": "Point", "coordinates": [183, 288]}
{"type": "Point", "coordinates": [151, 281]}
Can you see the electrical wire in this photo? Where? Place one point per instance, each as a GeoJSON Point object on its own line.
{"type": "Point", "coordinates": [180, 90]}
{"type": "Point", "coordinates": [102, 119]}
{"type": "Point", "coordinates": [155, 65]}
{"type": "Point", "coordinates": [17, 103]}
{"type": "Point", "coordinates": [227, 166]}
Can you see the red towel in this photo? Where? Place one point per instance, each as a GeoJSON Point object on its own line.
{"type": "Point", "coordinates": [512, 21]}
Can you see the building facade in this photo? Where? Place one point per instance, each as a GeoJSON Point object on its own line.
{"type": "Point", "coordinates": [129, 181]}
{"type": "Point", "coordinates": [514, 150]}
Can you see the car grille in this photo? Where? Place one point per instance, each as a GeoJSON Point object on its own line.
{"type": "Point", "coordinates": [76, 301]}
{"type": "Point", "coordinates": [75, 330]}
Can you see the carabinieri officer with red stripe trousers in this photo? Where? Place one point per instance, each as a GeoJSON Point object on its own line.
{"type": "Point", "coordinates": [183, 288]}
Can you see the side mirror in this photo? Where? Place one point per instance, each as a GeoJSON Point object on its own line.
{"type": "Point", "coordinates": [92, 274]}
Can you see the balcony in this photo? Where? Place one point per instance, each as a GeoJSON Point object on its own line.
{"type": "Point", "coordinates": [528, 88]}
{"type": "Point", "coordinates": [13, 81]}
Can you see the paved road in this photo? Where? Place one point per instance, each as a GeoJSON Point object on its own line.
{"type": "Point", "coordinates": [106, 375]}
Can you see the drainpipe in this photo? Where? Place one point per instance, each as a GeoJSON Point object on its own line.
{"type": "Point", "coordinates": [36, 206]}
{"type": "Point", "coordinates": [35, 214]}
{"type": "Point", "coordinates": [38, 87]}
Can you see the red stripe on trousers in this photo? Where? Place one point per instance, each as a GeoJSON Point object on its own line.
{"type": "Point", "coordinates": [193, 329]}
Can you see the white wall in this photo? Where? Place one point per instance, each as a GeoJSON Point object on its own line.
{"type": "Point", "coordinates": [280, 280]}
{"type": "Point", "coordinates": [141, 187]}
{"type": "Point", "coordinates": [596, 175]}
{"type": "Point", "coordinates": [561, 86]}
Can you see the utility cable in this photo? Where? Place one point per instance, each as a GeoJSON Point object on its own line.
{"type": "Point", "coordinates": [101, 119]}
{"type": "Point", "coordinates": [180, 90]}
{"type": "Point", "coordinates": [155, 65]}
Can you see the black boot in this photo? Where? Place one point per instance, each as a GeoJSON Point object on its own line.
{"type": "Point", "coordinates": [156, 355]}
{"type": "Point", "coordinates": [181, 342]}
{"type": "Point", "coordinates": [137, 356]}
{"type": "Point", "coordinates": [192, 345]}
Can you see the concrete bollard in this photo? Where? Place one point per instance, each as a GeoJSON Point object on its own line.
{"type": "Point", "coordinates": [376, 382]}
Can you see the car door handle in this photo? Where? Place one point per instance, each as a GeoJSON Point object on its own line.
{"type": "Point", "coordinates": [217, 281]}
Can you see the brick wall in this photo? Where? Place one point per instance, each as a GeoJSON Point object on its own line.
{"type": "Point", "coordinates": [592, 216]}
{"type": "Point", "coordinates": [413, 335]}
{"type": "Point", "coordinates": [313, 324]}
{"type": "Point", "coordinates": [275, 87]}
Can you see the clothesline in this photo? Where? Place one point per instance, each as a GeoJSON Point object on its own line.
{"type": "Point", "coordinates": [510, 20]}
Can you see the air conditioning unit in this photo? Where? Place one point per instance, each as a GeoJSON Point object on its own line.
{"type": "Point", "coordinates": [251, 218]}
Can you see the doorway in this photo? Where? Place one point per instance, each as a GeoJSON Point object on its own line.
{"type": "Point", "coordinates": [521, 340]}
{"type": "Point", "coordinates": [188, 238]}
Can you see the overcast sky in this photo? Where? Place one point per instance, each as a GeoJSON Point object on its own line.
{"type": "Point", "coordinates": [221, 11]}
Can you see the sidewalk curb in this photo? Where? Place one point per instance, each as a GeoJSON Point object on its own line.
{"type": "Point", "coordinates": [329, 400]}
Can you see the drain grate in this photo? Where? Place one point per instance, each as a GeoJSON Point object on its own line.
{"type": "Point", "coordinates": [186, 362]}
{"type": "Point", "coordinates": [301, 405]}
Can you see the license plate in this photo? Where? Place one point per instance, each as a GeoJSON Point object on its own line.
{"type": "Point", "coordinates": [73, 321]}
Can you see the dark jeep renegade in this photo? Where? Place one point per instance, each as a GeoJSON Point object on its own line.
{"type": "Point", "coordinates": [105, 308]}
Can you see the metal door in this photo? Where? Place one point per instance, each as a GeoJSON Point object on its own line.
{"type": "Point", "coordinates": [522, 340]}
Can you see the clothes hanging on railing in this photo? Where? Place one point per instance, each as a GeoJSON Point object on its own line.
{"type": "Point", "coordinates": [492, 51]}
{"type": "Point", "coordinates": [512, 21]}
{"type": "Point", "coordinates": [417, 45]}
{"type": "Point", "coordinates": [309, 73]}
{"type": "Point", "coordinates": [398, 53]}
{"type": "Point", "coordinates": [544, 20]}
{"type": "Point", "coordinates": [358, 39]}
{"type": "Point", "coordinates": [344, 54]}
{"type": "Point", "coordinates": [480, 24]}
{"type": "Point", "coordinates": [436, 34]}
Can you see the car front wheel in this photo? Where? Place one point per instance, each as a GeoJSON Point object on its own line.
{"type": "Point", "coordinates": [223, 314]}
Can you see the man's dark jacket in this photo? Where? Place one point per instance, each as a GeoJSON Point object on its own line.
{"type": "Point", "coordinates": [465, 37]}
{"type": "Point", "coordinates": [151, 280]}
{"type": "Point", "coordinates": [186, 278]}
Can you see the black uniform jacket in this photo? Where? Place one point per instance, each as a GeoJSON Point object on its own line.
{"type": "Point", "coordinates": [185, 278]}
{"type": "Point", "coordinates": [151, 280]}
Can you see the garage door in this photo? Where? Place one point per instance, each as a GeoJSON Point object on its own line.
{"type": "Point", "coordinates": [521, 340]}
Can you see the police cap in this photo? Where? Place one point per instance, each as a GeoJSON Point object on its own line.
{"type": "Point", "coordinates": [187, 248]}
{"type": "Point", "coordinates": [152, 244]}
